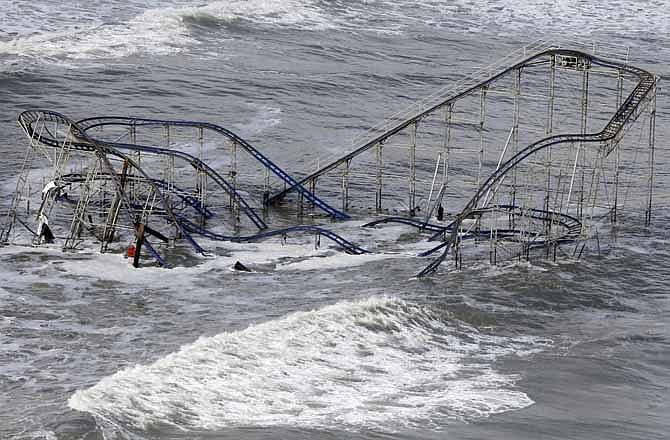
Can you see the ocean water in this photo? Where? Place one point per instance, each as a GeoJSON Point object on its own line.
{"type": "Point", "coordinates": [314, 343]}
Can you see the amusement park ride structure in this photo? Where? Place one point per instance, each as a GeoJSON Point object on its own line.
{"type": "Point", "coordinates": [525, 158]}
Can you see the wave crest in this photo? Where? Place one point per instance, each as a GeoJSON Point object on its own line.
{"type": "Point", "coordinates": [381, 363]}
{"type": "Point", "coordinates": [157, 31]}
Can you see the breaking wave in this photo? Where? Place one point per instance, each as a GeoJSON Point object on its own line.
{"type": "Point", "coordinates": [381, 363]}
{"type": "Point", "coordinates": [156, 31]}
{"type": "Point", "coordinates": [55, 36]}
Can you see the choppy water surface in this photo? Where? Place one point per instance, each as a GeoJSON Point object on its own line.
{"type": "Point", "coordinates": [315, 343]}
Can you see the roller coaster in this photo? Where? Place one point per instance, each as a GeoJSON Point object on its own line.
{"type": "Point", "coordinates": [527, 157]}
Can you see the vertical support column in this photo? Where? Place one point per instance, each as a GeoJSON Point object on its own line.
{"type": "Point", "coordinates": [113, 214]}
{"type": "Point", "coordinates": [139, 233]}
{"type": "Point", "coordinates": [493, 234]}
{"type": "Point", "coordinates": [380, 175]}
{"type": "Point", "coordinates": [172, 175]}
{"type": "Point", "coordinates": [515, 139]}
{"type": "Point", "coordinates": [595, 180]}
{"type": "Point", "coordinates": [201, 144]}
{"type": "Point", "coordinates": [345, 185]}
{"type": "Point", "coordinates": [266, 190]}
{"type": "Point", "coordinates": [233, 165]}
{"type": "Point", "coordinates": [619, 100]}
{"type": "Point", "coordinates": [652, 136]}
{"type": "Point", "coordinates": [166, 171]}
{"type": "Point", "coordinates": [412, 168]}
{"type": "Point", "coordinates": [201, 183]}
{"type": "Point", "coordinates": [62, 155]}
{"type": "Point", "coordinates": [584, 124]}
{"type": "Point", "coordinates": [548, 130]}
{"type": "Point", "coordinates": [234, 202]}
{"type": "Point", "coordinates": [132, 188]}
{"type": "Point", "coordinates": [457, 248]}
{"type": "Point", "coordinates": [447, 140]}
{"type": "Point", "coordinates": [552, 93]}
{"type": "Point", "coordinates": [169, 165]}
{"type": "Point", "coordinates": [312, 189]}
{"type": "Point", "coordinates": [55, 159]}
{"type": "Point", "coordinates": [482, 115]}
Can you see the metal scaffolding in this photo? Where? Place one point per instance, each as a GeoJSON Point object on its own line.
{"type": "Point", "coordinates": [528, 156]}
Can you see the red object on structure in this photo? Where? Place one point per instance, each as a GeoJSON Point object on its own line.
{"type": "Point", "coordinates": [131, 251]}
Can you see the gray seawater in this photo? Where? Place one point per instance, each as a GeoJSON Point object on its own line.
{"type": "Point", "coordinates": [315, 344]}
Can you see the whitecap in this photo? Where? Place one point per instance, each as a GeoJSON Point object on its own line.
{"type": "Point", "coordinates": [381, 363]}
{"type": "Point", "coordinates": [156, 31]}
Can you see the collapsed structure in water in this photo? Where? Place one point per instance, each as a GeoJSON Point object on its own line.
{"type": "Point", "coordinates": [525, 157]}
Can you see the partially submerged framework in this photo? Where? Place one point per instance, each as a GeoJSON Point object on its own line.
{"type": "Point", "coordinates": [527, 156]}
{"type": "Point", "coordinates": [103, 187]}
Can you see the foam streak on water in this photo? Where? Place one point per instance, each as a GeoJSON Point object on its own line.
{"type": "Point", "coordinates": [380, 363]}
{"type": "Point", "coordinates": [81, 33]}
{"type": "Point", "coordinates": [155, 31]}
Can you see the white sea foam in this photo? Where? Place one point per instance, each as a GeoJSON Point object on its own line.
{"type": "Point", "coordinates": [335, 261]}
{"type": "Point", "coordinates": [156, 31]}
{"type": "Point", "coordinates": [299, 13]}
{"type": "Point", "coordinates": [380, 363]}
{"type": "Point", "coordinates": [43, 435]}
{"type": "Point", "coordinates": [265, 117]}
{"type": "Point", "coordinates": [6, 321]}
{"type": "Point", "coordinates": [70, 36]}
{"type": "Point", "coordinates": [115, 267]}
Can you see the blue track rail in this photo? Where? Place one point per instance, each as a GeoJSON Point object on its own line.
{"type": "Point", "coordinates": [192, 160]}
{"type": "Point", "coordinates": [571, 223]}
{"type": "Point", "coordinates": [621, 116]}
{"type": "Point", "coordinates": [419, 224]}
{"type": "Point", "coordinates": [29, 117]}
{"type": "Point", "coordinates": [194, 202]}
{"type": "Point", "coordinates": [200, 165]}
{"type": "Point", "coordinates": [102, 121]}
{"type": "Point", "coordinates": [348, 246]}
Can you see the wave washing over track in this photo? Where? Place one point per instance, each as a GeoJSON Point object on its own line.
{"type": "Point", "coordinates": [380, 363]}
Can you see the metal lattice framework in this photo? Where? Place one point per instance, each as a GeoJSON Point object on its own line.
{"type": "Point", "coordinates": [110, 193]}
{"type": "Point", "coordinates": [526, 156]}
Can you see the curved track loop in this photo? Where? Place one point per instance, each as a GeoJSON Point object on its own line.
{"type": "Point", "coordinates": [350, 248]}
{"type": "Point", "coordinates": [102, 121]}
{"type": "Point", "coordinates": [571, 225]}
{"type": "Point", "coordinates": [102, 150]}
{"type": "Point", "coordinates": [605, 138]}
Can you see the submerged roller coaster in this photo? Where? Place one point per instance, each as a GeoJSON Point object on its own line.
{"type": "Point", "coordinates": [527, 157]}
